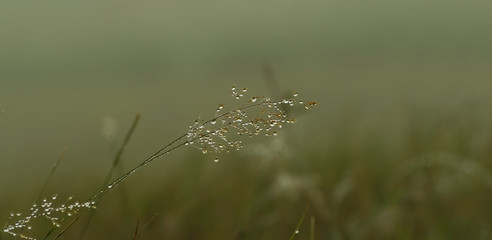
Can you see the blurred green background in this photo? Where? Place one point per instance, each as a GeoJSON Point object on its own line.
{"type": "Point", "coordinates": [400, 146]}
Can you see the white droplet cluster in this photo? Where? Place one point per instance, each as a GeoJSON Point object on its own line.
{"type": "Point", "coordinates": [238, 94]}
{"type": "Point", "coordinates": [259, 116]}
{"type": "Point", "coordinates": [46, 209]}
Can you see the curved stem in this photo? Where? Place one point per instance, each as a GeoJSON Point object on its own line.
{"type": "Point", "coordinates": [161, 152]}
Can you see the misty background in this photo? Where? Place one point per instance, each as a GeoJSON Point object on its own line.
{"type": "Point", "coordinates": [69, 70]}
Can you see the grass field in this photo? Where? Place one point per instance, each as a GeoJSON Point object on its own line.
{"type": "Point", "coordinates": [399, 147]}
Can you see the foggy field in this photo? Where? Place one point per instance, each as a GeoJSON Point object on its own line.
{"type": "Point", "coordinates": [399, 146]}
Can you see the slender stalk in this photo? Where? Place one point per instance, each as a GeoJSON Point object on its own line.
{"type": "Point", "coordinates": [299, 224]}
{"type": "Point", "coordinates": [55, 165]}
{"type": "Point", "coordinates": [147, 223]}
{"type": "Point", "coordinates": [50, 175]}
{"type": "Point", "coordinates": [311, 235]}
{"type": "Point", "coordinates": [270, 78]}
{"type": "Point", "coordinates": [116, 160]}
{"type": "Point", "coordinates": [135, 234]}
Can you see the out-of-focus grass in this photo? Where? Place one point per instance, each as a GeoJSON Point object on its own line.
{"type": "Point", "coordinates": [422, 175]}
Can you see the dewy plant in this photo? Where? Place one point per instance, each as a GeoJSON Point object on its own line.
{"type": "Point", "coordinates": [258, 115]}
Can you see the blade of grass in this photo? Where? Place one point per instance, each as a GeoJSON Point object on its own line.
{"type": "Point", "coordinates": [311, 235]}
{"type": "Point", "coordinates": [148, 223]}
{"type": "Point", "coordinates": [50, 175]}
{"type": "Point", "coordinates": [116, 160]}
{"type": "Point", "coordinates": [270, 78]}
{"type": "Point", "coordinates": [136, 228]}
{"type": "Point", "coordinates": [53, 169]}
{"type": "Point", "coordinates": [299, 224]}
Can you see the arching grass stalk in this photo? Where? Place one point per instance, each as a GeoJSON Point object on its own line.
{"type": "Point", "coordinates": [259, 115]}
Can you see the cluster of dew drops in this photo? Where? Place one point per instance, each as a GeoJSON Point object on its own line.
{"type": "Point", "coordinates": [258, 115]}
{"type": "Point", "coordinates": [48, 210]}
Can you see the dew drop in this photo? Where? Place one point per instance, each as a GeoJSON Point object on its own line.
{"type": "Point", "coordinates": [297, 231]}
{"type": "Point", "coordinates": [216, 159]}
{"type": "Point", "coordinates": [110, 186]}
{"type": "Point", "coordinates": [295, 94]}
{"type": "Point", "coordinates": [213, 121]}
